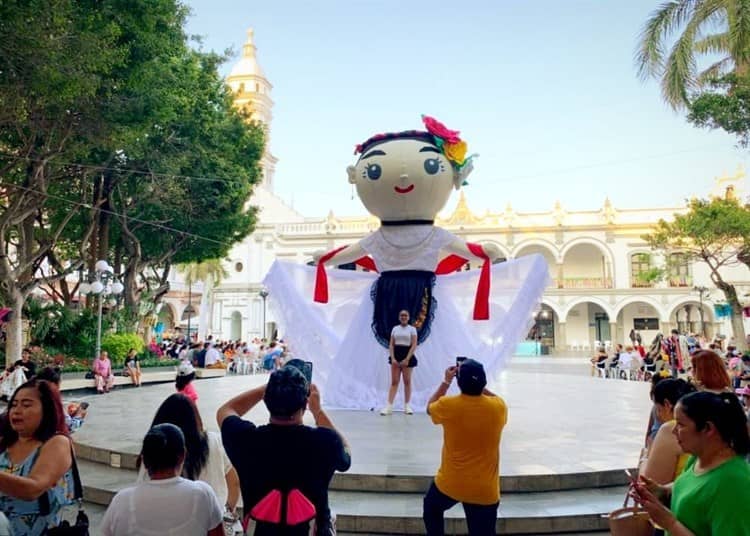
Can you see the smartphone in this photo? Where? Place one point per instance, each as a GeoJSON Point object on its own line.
{"type": "Point", "coordinates": [307, 370]}
{"type": "Point", "coordinates": [460, 359]}
{"type": "Point", "coordinates": [630, 476]}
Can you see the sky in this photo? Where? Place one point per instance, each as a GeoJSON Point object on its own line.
{"type": "Point", "coordinates": [546, 92]}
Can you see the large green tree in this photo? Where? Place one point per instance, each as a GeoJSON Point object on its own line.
{"type": "Point", "coordinates": [716, 233]}
{"type": "Point", "coordinates": [55, 58]}
{"type": "Point", "coordinates": [680, 32]}
{"type": "Point", "coordinates": [725, 105]}
{"type": "Point", "coordinates": [117, 141]}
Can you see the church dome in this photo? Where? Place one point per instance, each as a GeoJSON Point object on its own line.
{"type": "Point", "coordinates": [248, 64]}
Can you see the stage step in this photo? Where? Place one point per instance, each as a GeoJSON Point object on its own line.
{"type": "Point", "coordinates": [365, 512]}
{"type": "Point", "coordinates": [405, 483]}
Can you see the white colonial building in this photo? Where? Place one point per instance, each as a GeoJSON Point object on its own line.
{"type": "Point", "coordinates": [594, 256]}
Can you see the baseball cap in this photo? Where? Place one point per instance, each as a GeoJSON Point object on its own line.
{"type": "Point", "coordinates": [471, 377]}
{"type": "Point", "coordinates": [185, 369]}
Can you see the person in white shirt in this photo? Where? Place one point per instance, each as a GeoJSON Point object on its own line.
{"type": "Point", "coordinates": [205, 458]}
{"type": "Point", "coordinates": [401, 357]}
{"type": "Point", "coordinates": [623, 363]}
{"type": "Point", "coordinates": [213, 358]}
{"type": "Point", "coordinates": [167, 504]}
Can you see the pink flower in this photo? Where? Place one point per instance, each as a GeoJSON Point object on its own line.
{"type": "Point", "coordinates": [436, 128]}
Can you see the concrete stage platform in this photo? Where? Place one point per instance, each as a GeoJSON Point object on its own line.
{"type": "Point", "coordinates": [563, 452]}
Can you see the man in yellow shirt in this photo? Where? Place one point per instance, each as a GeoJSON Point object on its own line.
{"type": "Point", "coordinates": [472, 422]}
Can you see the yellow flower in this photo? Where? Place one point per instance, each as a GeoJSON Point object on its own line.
{"type": "Point", "coordinates": [455, 152]}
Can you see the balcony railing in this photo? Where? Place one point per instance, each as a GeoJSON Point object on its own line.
{"type": "Point", "coordinates": [637, 283]}
{"type": "Point", "coordinates": [582, 282]}
{"type": "Point", "coordinates": [680, 281]}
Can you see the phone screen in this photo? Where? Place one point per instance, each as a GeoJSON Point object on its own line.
{"type": "Point", "coordinates": [308, 370]}
{"type": "Point", "coordinates": [460, 359]}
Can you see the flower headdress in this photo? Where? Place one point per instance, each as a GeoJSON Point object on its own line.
{"type": "Point", "coordinates": [448, 141]}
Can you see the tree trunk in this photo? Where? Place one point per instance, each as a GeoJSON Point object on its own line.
{"type": "Point", "coordinates": [14, 331]}
{"type": "Point", "coordinates": [738, 326]}
{"type": "Point", "coordinates": [205, 310]}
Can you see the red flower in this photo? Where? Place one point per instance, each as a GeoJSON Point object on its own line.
{"type": "Point", "coordinates": [436, 128]}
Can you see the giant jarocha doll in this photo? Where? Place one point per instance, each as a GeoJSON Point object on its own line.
{"type": "Point", "coordinates": [342, 319]}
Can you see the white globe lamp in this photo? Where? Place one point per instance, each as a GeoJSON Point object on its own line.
{"type": "Point", "coordinates": [97, 287]}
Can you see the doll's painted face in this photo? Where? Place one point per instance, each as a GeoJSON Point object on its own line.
{"type": "Point", "coordinates": [403, 179]}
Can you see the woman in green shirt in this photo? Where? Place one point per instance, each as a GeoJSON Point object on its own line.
{"type": "Point", "coordinates": [710, 497]}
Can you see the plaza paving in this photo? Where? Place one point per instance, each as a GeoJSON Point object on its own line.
{"type": "Point", "coordinates": [560, 421]}
{"type": "Point", "coordinates": [568, 439]}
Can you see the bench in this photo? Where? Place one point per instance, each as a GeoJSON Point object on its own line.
{"type": "Point", "coordinates": [210, 372]}
{"type": "Point", "coordinates": [159, 376]}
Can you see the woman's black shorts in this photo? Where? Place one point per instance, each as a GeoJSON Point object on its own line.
{"type": "Point", "coordinates": [399, 352]}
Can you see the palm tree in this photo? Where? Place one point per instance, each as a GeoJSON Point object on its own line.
{"type": "Point", "coordinates": [211, 272]}
{"type": "Point", "coordinates": [715, 28]}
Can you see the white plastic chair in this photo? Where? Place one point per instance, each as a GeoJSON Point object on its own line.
{"type": "Point", "coordinates": [574, 345]}
{"type": "Point", "coordinates": [586, 345]}
{"type": "Point", "coordinates": [603, 371]}
{"type": "Point", "coordinates": [607, 345]}
{"type": "Point", "coordinates": [634, 373]}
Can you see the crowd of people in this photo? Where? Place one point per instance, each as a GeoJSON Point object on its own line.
{"type": "Point", "coordinates": [191, 481]}
{"type": "Point", "coordinates": [666, 356]}
{"type": "Point", "coordinates": [694, 476]}
{"type": "Point", "coordinates": [233, 355]}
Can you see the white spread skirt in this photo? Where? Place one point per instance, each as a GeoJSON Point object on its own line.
{"type": "Point", "coordinates": [349, 366]}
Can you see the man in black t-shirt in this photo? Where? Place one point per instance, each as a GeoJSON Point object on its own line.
{"type": "Point", "coordinates": [28, 366]}
{"type": "Point", "coordinates": [285, 454]}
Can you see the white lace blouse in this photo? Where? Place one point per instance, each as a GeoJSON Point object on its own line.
{"type": "Point", "coordinates": [407, 247]}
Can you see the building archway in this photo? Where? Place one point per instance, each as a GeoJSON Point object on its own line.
{"type": "Point", "coordinates": [550, 256]}
{"type": "Point", "coordinates": [587, 264]}
{"type": "Point", "coordinates": [587, 321]}
{"type": "Point", "coordinates": [685, 316]}
{"type": "Point", "coordinates": [166, 323]}
{"type": "Point", "coordinates": [535, 245]}
{"type": "Point", "coordinates": [544, 329]}
{"type": "Point", "coordinates": [235, 326]}
{"type": "Point", "coordinates": [642, 317]}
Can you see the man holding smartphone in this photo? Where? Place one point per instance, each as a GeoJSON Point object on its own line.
{"type": "Point", "coordinates": [274, 459]}
{"type": "Point", "coordinates": [472, 423]}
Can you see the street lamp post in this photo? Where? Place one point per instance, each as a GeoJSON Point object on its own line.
{"type": "Point", "coordinates": [103, 273]}
{"type": "Point", "coordinates": [702, 291]}
{"type": "Point", "coordinates": [190, 308]}
{"type": "Point", "coordinates": [264, 294]}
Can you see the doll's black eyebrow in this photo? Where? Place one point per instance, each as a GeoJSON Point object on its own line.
{"type": "Point", "coordinates": [429, 149]}
{"type": "Point", "coordinates": [376, 152]}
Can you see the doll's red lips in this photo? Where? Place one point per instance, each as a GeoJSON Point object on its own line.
{"type": "Point", "coordinates": [404, 190]}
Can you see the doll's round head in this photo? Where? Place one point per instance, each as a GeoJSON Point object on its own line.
{"type": "Point", "coordinates": [409, 175]}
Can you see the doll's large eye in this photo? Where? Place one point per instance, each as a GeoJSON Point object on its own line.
{"type": "Point", "coordinates": [374, 171]}
{"type": "Point", "coordinates": [432, 166]}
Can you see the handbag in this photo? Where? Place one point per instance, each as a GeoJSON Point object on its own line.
{"type": "Point", "coordinates": [81, 526]}
{"type": "Point", "coordinates": [630, 520]}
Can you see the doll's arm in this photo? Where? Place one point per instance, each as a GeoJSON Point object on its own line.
{"type": "Point", "coordinates": [461, 248]}
{"type": "Point", "coordinates": [346, 255]}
